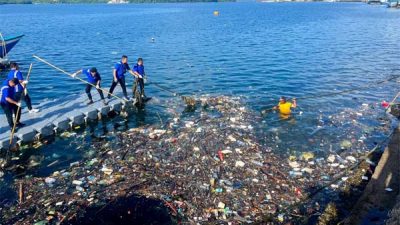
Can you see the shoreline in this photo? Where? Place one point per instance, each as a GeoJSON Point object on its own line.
{"type": "Point", "coordinates": [188, 1]}
{"type": "Point", "coordinates": [379, 196]}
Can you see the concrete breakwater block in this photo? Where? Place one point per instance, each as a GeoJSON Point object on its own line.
{"type": "Point", "coordinates": [45, 128]}
{"type": "Point", "coordinates": [116, 106]}
{"type": "Point", "coordinates": [26, 134]}
{"type": "Point", "coordinates": [76, 117]}
{"type": "Point", "coordinates": [61, 123]}
{"type": "Point", "coordinates": [101, 108]}
{"type": "Point", "coordinates": [5, 139]}
{"type": "Point", "coordinates": [90, 113]}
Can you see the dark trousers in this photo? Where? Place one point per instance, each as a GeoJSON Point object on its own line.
{"type": "Point", "coordinates": [22, 96]}
{"type": "Point", "coordinates": [9, 110]}
{"type": "Point", "coordinates": [121, 81]}
{"type": "Point", "coordinates": [141, 85]}
{"type": "Point", "coordinates": [87, 90]}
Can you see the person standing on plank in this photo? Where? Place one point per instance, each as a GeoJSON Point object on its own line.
{"type": "Point", "coordinates": [138, 70]}
{"type": "Point", "coordinates": [9, 103]}
{"type": "Point", "coordinates": [20, 92]}
{"type": "Point", "coordinates": [93, 77]}
{"type": "Point", "coordinates": [119, 76]}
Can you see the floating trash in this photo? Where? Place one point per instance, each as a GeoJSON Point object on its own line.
{"type": "Point", "coordinates": [204, 168]}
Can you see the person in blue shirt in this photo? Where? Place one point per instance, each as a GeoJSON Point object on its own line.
{"type": "Point", "coordinates": [20, 92]}
{"type": "Point", "coordinates": [138, 70]}
{"type": "Point", "coordinates": [94, 78]}
{"type": "Point", "coordinates": [119, 76]}
{"type": "Point", "coordinates": [8, 102]}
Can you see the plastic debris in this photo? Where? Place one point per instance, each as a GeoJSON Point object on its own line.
{"type": "Point", "coordinates": [239, 164]}
{"type": "Point", "coordinates": [351, 159]}
{"type": "Point", "coordinates": [49, 181]}
{"type": "Point", "coordinates": [207, 167]}
{"type": "Point", "coordinates": [307, 155]}
{"type": "Point", "coordinates": [331, 158]}
{"type": "Point", "coordinates": [346, 144]}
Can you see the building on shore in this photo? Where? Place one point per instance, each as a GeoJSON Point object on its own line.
{"type": "Point", "coordinates": [117, 2]}
{"type": "Point", "coordinates": [393, 3]}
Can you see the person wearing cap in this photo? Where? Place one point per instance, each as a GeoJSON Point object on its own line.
{"type": "Point", "coordinates": [8, 102]}
{"type": "Point", "coordinates": [93, 77]}
{"type": "Point", "coordinates": [284, 106]}
{"type": "Point", "coordinates": [138, 70]}
{"type": "Point", "coordinates": [20, 92]}
{"type": "Point", "coordinates": [119, 76]}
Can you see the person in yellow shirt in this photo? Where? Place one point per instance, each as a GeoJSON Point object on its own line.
{"type": "Point", "coordinates": [284, 106]}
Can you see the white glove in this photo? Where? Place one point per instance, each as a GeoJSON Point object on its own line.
{"type": "Point", "coordinates": [73, 75]}
{"type": "Point", "coordinates": [98, 86]}
{"type": "Point", "coordinates": [19, 104]}
{"type": "Point", "coordinates": [25, 82]}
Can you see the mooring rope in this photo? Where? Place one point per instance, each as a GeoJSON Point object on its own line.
{"type": "Point", "coordinates": [368, 85]}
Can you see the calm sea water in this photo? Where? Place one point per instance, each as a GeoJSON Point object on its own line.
{"type": "Point", "coordinates": [256, 50]}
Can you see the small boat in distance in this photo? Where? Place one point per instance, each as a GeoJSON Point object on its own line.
{"type": "Point", "coordinates": [7, 43]}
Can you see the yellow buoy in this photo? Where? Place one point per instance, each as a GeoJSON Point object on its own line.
{"type": "Point", "coordinates": [216, 13]}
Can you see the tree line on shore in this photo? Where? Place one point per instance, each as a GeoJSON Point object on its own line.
{"type": "Point", "coordinates": [101, 1]}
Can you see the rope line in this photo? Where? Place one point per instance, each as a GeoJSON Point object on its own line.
{"type": "Point", "coordinates": [350, 90]}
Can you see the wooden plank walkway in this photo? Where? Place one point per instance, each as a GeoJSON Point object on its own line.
{"type": "Point", "coordinates": [58, 115]}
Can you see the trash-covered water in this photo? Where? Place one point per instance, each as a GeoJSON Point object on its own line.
{"type": "Point", "coordinates": [213, 163]}
{"type": "Point", "coordinates": [254, 51]}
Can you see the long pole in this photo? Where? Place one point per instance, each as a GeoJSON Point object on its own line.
{"type": "Point", "coordinates": [185, 98]}
{"type": "Point", "coordinates": [394, 99]}
{"type": "Point", "coordinates": [390, 103]}
{"type": "Point", "coordinates": [78, 78]}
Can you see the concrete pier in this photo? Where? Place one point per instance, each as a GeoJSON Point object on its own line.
{"type": "Point", "coordinates": [57, 116]}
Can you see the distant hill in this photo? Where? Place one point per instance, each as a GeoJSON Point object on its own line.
{"type": "Point", "coordinates": [103, 1]}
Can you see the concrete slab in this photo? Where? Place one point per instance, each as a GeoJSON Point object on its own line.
{"type": "Point", "coordinates": [26, 134]}
{"type": "Point", "coordinates": [89, 112]}
{"type": "Point", "coordinates": [45, 128]}
{"type": "Point", "coordinates": [58, 114]}
{"type": "Point", "coordinates": [76, 117]}
{"type": "Point", "coordinates": [62, 123]}
{"type": "Point", "coordinates": [5, 139]}
{"type": "Point", "coordinates": [116, 106]}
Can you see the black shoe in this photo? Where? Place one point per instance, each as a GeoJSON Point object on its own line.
{"type": "Point", "coordinates": [89, 102]}
{"type": "Point", "coordinates": [20, 124]}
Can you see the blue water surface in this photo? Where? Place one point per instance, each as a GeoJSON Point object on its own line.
{"type": "Point", "coordinates": [256, 50]}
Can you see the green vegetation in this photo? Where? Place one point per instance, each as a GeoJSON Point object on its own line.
{"type": "Point", "coordinates": [15, 2]}
{"type": "Point", "coordinates": [102, 1]}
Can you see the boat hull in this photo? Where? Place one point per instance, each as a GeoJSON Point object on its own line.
{"type": "Point", "coordinates": [9, 44]}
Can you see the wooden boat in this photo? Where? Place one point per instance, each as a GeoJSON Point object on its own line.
{"type": "Point", "coordinates": [7, 43]}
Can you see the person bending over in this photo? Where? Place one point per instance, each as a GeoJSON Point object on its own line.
{"type": "Point", "coordinates": [94, 78]}
{"type": "Point", "coordinates": [8, 102]}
